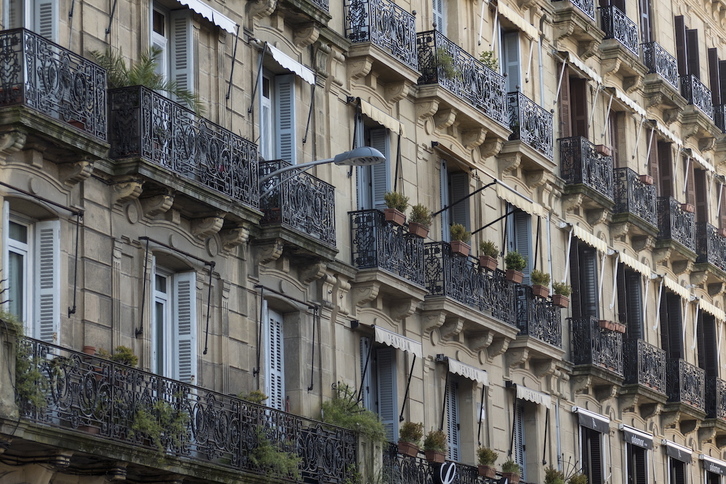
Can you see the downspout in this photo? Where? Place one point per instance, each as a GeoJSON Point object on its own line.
{"type": "Point", "coordinates": [539, 61]}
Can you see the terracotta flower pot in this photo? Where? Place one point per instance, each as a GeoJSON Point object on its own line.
{"type": "Point", "coordinates": [435, 456]}
{"type": "Point", "coordinates": [394, 216]}
{"type": "Point", "coordinates": [688, 207]}
{"type": "Point", "coordinates": [603, 150]}
{"type": "Point", "coordinates": [487, 471]}
{"type": "Point", "coordinates": [560, 300]}
{"type": "Point", "coordinates": [515, 276]}
{"type": "Point", "coordinates": [646, 179]}
{"type": "Point", "coordinates": [722, 232]}
{"type": "Point", "coordinates": [460, 248]}
{"type": "Point", "coordinates": [513, 478]}
{"type": "Point", "coordinates": [407, 448]}
{"type": "Point", "coordinates": [540, 291]}
{"type": "Point", "coordinates": [488, 263]}
{"type": "Point", "coordinates": [612, 326]}
{"type": "Point", "coordinates": [418, 230]}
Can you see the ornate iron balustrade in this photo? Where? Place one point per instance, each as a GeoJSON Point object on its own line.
{"type": "Point", "coordinates": [586, 6]}
{"type": "Point", "coordinates": [44, 76]}
{"type": "Point", "coordinates": [580, 163]}
{"type": "Point", "coordinates": [634, 196]}
{"type": "Point", "coordinates": [86, 393]}
{"type": "Point", "coordinates": [645, 365]}
{"type": "Point", "coordinates": [384, 24]}
{"type": "Point", "coordinates": [715, 397]}
{"type": "Point", "coordinates": [659, 61]}
{"type": "Point", "coordinates": [593, 345]}
{"type": "Point", "coordinates": [711, 247]}
{"type": "Point", "coordinates": [675, 223]}
{"type": "Point", "coordinates": [442, 62]}
{"type": "Point", "coordinates": [147, 125]}
{"type": "Point", "coordinates": [697, 93]}
{"type": "Point", "coordinates": [719, 116]}
{"type": "Point", "coordinates": [618, 26]}
{"type": "Point", "coordinates": [538, 317]}
{"type": "Point", "coordinates": [323, 5]}
{"type": "Point", "coordinates": [379, 244]}
{"type": "Point", "coordinates": [686, 383]}
{"type": "Point", "coordinates": [462, 279]}
{"type": "Point", "coordinates": [298, 201]}
{"type": "Point", "coordinates": [530, 123]}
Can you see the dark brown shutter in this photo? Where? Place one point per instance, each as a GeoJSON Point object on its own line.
{"type": "Point", "coordinates": [681, 52]}
{"type": "Point", "coordinates": [633, 284]}
{"type": "Point", "coordinates": [622, 296]}
{"type": "Point", "coordinates": [592, 455]}
{"type": "Point", "coordinates": [578, 104]}
{"type": "Point", "coordinates": [714, 76]}
{"type": "Point", "coordinates": [565, 113]}
{"type": "Point", "coordinates": [665, 171]}
{"type": "Point", "coordinates": [691, 186]}
{"type": "Point", "coordinates": [645, 23]}
{"type": "Point", "coordinates": [722, 79]}
{"type": "Point", "coordinates": [640, 465]}
{"type": "Point", "coordinates": [613, 121]}
{"type": "Point", "coordinates": [576, 295]}
{"type": "Point", "coordinates": [694, 61]}
{"type": "Point", "coordinates": [722, 214]}
{"type": "Point", "coordinates": [672, 326]}
{"type": "Point", "coordinates": [588, 281]}
{"type": "Point", "coordinates": [701, 194]}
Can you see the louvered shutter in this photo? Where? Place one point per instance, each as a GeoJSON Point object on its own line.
{"type": "Point", "coordinates": [674, 343]}
{"type": "Point", "coordinates": [47, 281]}
{"type": "Point", "coordinates": [285, 118]}
{"type": "Point", "coordinates": [710, 338]}
{"type": "Point", "coordinates": [694, 61]}
{"type": "Point", "coordinates": [267, 145]}
{"type": "Point", "coordinates": [564, 103]}
{"type": "Point", "coordinates": [365, 346]}
{"type": "Point", "coordinates": [578, 102]}
{"type": "Point", "coordinates": [510, 60]}
{"type": "Point", "coordinates": [633, 283]}
{"type": "Point", "coordinates": [722, 79]}
{"type": "Point", "coordinates": [46, 19]}
{"type": "Point", "coordinates": [665, 172]}
{"type": "Point", "coordinates": [645, 25]}
{"type": "Point", "coordinates": [446, 214]}
{"type": "Point", "coordinates": [452, 419]}
{"type": "Point", "coordinates": [593, 459]}
{"type": "Point", "coordinates": [681, 52]}
{"type": "Point", "coordinates": [576, 281]}
{"type": "Point", "coordinates": [439, 15]}
{"type": "Point", "coordinates": [678, 472]}
{"type": "Point", "coordinates": [588, 282]}
{"type": "Point", "coordinates": [14, 14]}
{"type": "Point", "coordinates": [185, 326]}
{"type": "Point", "coordinates": [380, 181]}
{"type": "Point", "coordinates": [4, 281]}
{"type": "Point", "coordinates": [182, 50]}
{"type": "Point", "coordinates": [714, 76]}
{"type": "Point", "coordinates": [458, 189]}
{"type": "Point", "coordinates": [275, 361]}
{"type": "Point", "coordinates": [387, 391]}
{"type": "Point", "coordinates": [700, 194]}
{"type": "Point", "coordinates": [520, 456]}
{"type": "Point", "coordinates": [622, 294]}
{"type": "Point", "coordinates": [523, 240]}
{"type": "Point", "coordinates": [641, 468]}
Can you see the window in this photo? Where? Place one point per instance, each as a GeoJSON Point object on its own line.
{"type": "Point", "coordinates": [584, 277]}
{"type": "Point", "coordinates": [591, 455]}
{"type": "Point", "coordinates": [646, 26]}
{"type": "Point", "coordinates": [573, 106]}
{"type": "Point", "coordinates": [661, 168]}
{"type": "Point", "coordinates": [510, 64]}
{"type": "Point", "coordinates": [40, 16]}
{"type": "Point", "coordinates": [171, 33]}
{"type": "Point", "coordinates": [454, 187]}
{"type": "Point", "coordinates": [676, 471]}
{"type": "Point", "coordinates": [630, 302]}
{"type": "Point", "coordinates": [519, 237]}
{"type": "Point", "coordinates": [439, 15]}
{"type": "Point", "coordinates": [519, 440]}
{"type": "Point", "coordinates": [373, 181]}
{"type": "Point", "coordinates": [274, 359]}
{"type": "Point", "coordinates": [636, 466]}
{"type": "Point", "coordinates": [707, 339]}
{"type": "Point", "coordinates": [687, 49]}
{"type": "Point", "coordinates": [712, 478]}
{"type": "Point", "coordinates": [379, 384]}
{"type": "Point", "coordinates": [277, 117]}
{"type": "Point", "coordinates": [671, 324]}
{"type": "Point", "coordinates": [453, 429]}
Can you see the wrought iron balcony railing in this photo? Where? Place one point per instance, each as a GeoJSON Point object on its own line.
{"type": "Point", "coordinates": [376, 243]}
{"type": "Point", "coordinates": [618, 26]}
{"type": "Point", "coordinates": [298, 201]}
{"type": "Point", "coordinates": [442, 62]}
{"type": "Point", "coordinates": [675, 223]}
{"type": "Point", "coordinates": [323, 5]}
{"type": "Point", "coordinates": [711, 247]}
{"type": "Point", "coordinates": [645, 365]}
{"type": "Point", "coordinates": [385, 24]}
{"type": "Point", "coordinates": [715, 397]}
{"type": "Point", "coordinates": [581, 164]}
{"type": "Point", "coordinates": [530, 123]}
{"type": "Point", "coordinates": [634, 196]}
{"type": "Point", "coordinates": [586, 6]}
{"type": "Point", "coordinates": [659, 61]}
{"type": "Point", "coordinates": [147, 125]}
{"type": "Point", "coordinates": [697, 93]}
{"type": "Point", "coordinates": [109, 400]}
{"type": "Point", "coordinates": [719, 116]}
{"type": "Point", "coordinates": [52, 80]}
{"type": "Point", "coordinates": [593, 345]}
{"type": "Point", "coordinates": [538, 317]}
{"type": "Point", "coordinates": [461, 279]}
{"type": "Point", "coordinates": [686, 383]}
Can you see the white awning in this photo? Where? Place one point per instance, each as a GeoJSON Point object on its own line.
{"type": "Point", "coordinates": [575, 61]}
{"type": "Point", "coordinates": [519, 21]}
{"type": "Point", "coordinates": [381, 118]}
{"type": "Point", "coordinates": [717, 313]}
{"type": "Point", "coordinates": [713, 465]}
{"type": "Point", "coordinates": [524, 393]}
{"type": "Point", "coordinates": [508, 194]}
{"type": "Point", "coordinates": [214, 16]}
{"type": "Point", "coordinates": [623, 98]}
{"type": "Point", "coordinates": [287, 62]}
{"type": "Point", "coordinates": [635, 264]}
{"type": "Point", "coordinates": [667, 133]}
{"type": "Point", "coordinates": [468, 371]}
{"type": "Point", "coordinates": [702, 161]}
{"type": "Point", "coordinates": [592, 420]}
{"type": "Point", "coordinates": [395, 340]}
{"type": "Point", "coordinates": [590, 239]}
{"type": "Point", "coordinates": [677, 288]}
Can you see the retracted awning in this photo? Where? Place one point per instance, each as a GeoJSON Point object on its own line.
{"type": "Point", "coordinates": [524, 393]}
{"type": "Point", "coordinates": [713, 465]}
{"type": "Point", "coordinates": [510, 195]}
{"type": "Point", "coordinates": [518, 21]}
{"type": "Point", "coordinates": [395, 340]}
{"type": "Point", "coordinates": [592, 420]}
{"type": "Point", "coordinates": [637, 437]}
{"type": "Point", "coordinates": [717, 313]}
{"type": "Point", "coordinates": [575, 61]}
{"type": "Point", "coordinates": [287, 62]}
{"type": "Point", "coordinates": [468, 371]}
{"type": "Point", "coordinates": [635, 264]}
{"type": "Point", "coordinates": [677, 451]}
{"type": "Point", "coordinates": [677, 288]}
{"type": "Point", "coordinates": [701, 161]}
{"type": "Point", "coordinates": [380, 117]}
{"type": "Point", "coordinates": [589, 239]}
{"type": "Point", "coordinates": [667, 133]}
{"type": "Point", "coordinates": [211, 14]}
{"type": "Point", "coordinates": [625, 99]}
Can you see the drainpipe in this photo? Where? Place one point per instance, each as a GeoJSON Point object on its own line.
{"type": "Point", "coordinates": [539, 61]}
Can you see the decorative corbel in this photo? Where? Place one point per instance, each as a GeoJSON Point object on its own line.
{"type": "Point", "coordinates": [582, 384]}
{"type": "Point", "coordinates": [643, 242]}
{"type": "Point", "coordinates": [473, 138]}
{"type": "Point", "coordinates": [452, 326]}
{"type": "Point", "coordinates": [587, 49]}
{"type": "Point", "coordinates": [232, 238]}
{"type": "Point", "coordinates": [313, 272]}
{"type": "Point", "coordinates": [498, 347]}
{"type": "Point", "coordinates": [270, 251]}
{"type": "Point", "coordinates": [707, 143]}
{"type": "Point", "coordinates": [403, 308]}
{"type": "Point", "coordinates": [395, 91]}
{"type": "Point", "coordinates": [73, 173]}
{"type": "Point", "coordinates": [359, 67]}
{"type": "Point", "coordinates": [444, 118]}
{"type": "Point", "coordinates": [705, 434]}
{"type": "Point", "coordinates": [632, 84]}
{"type": "Point", "coordinates": [491, 146]}
{"type": "Point", "coordinates": [698, 277]}
{"type": "Point", "coordinates": [517, 357]}
{"type": "Point", "coordinates": [261, 8]}
{"type": "Point", "coordinates": [127, 189]}
{"type": "Point", "coordinates": [207, 226]}
{"type": "Point", "coordinates": [610, 66]}
{"type": "Point", "coordinates": [12, 141]}
{"type": "Point", "coordinates": [543, 368]}
{"type": "Point", "coordinates": [509, 162]}
{"type": "Point", "coordinates": [535, 178]}
{"type": "Point", "coordinates": [426, 108]}
{"type": "Point", "coordinates": [157, 204]}
{"type": "Point", "coordinates": [605, 392]}
{"type": "Point", "coordinates": [688, 426]}
{"type": "Point", "coordinates": [671, 116]}
{"type": "Point", "coordinates": [306, 35]}
{"type": "Point", "coordinates": [365, 292]}
{"type": "Point", "coordinates": [433, 319]}
{"type": "Point", "coordinates": [662, 255]}
{"type": "Point", "coordinates": [681, 266]}
{"type": "Point", "coordinates": [620, 230]}
{"type": "Point", "coordinates": [481, 340]}
{"type": "Point", "coordinates": [648, 410]}
{"type": "Point", "coordinates": [716, 289]}
{"type": "Point", "coordinates": [670, 419]}
{"type": "Point", "coordinates": [596, 216]}
{"type": "Point", "coordinates": [629, 402]}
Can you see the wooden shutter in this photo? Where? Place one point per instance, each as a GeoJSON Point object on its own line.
{"type": "Point", "coordinates": [681, 52]}
{"type": "Point", "coordinates": [523, 241]}
{"type": "Point", "coordinates": [439, 15]}
{"type": "Point", "coordinates": [664, 171]}
{"type": "Point", "coordinates": [641, 468]}
{"type": "Point", "coordinates": [588, 282]}
{"type": "Point", "coordinates": [510, 60]}
{"type": "Point", "coordinates": [578, 99]}
{"type": "Point", "coordinates": [275, 361]}
{"type": "Point", "coordinates": [365, 346]}
{"type": "Point", "coordinates": [47, 281]}
{"type": "Point", "coordinates": [592, 455]}
{"type": "Point", "coordinates": [564, 104]}
{"type": "Point", "coordinates": [620, 4]}
{"type": "Point", "coordinates": [445, 201]}
{"type": "Point", "coordinates": [452, 418]}
{"type": "Point", "coordinates": [613, 121]}
{"type": "Point", "coordinates": [707, 344]}
{"type": "Point", "coordinates": [694, 61]}
{"type": "Point", "coordinates": [284, 99]}
{"type": "Point", "coordinates": [46, 19]}
{"type": "Point", "coordinates": [182, 50]}
{"type": "Point", "coordinates": [722, 80]}
{"type": "Point", "coordinates": [633, 283]}
{"type": "Point", "coordinates": [671, 326]}
{"type": "Point", "coordinates": [185, 325]}
{"type": "Point", "coordinates": [691, 186]}
{"type": "Point", "coordinates": [714, 76]}
{"type": "Point", "coordinates": [645, 25]}
{"type": "Point", "coordinates": [678, 471]}
{"type": "Point", "coordinates": [458, 189]}
{"type": "Point", "coordinates": [722, 213]}
{"type": "Point", "coordinates": [700, 193]}
{"type": "Point", "coordinates": [622, 294]}
{"type": "Point", "coordinates": [267, 142]}
{"type": "Point", "coordinates": [5, 280]}
{"type": "Point", "coordinates": [387, 391]}
{"type": "Point", "coordinates": [575, 281]}
{"type": "Point", "coordinates": [380, 179]}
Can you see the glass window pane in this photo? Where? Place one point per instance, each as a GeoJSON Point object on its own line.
{"type": "Point", "coordinates": [16, 285]}
{"type": "Point", "coordinates": [18, 232]}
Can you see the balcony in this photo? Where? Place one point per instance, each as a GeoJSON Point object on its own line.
{"type": "Point", "coordinates": [661, 86]}
{"type": "Point", "coordinates": [575, 20]}
{"type": "Point", "coordinates": [660, 62]}
{"type": "Point", "coordinates": [645, 369]}
{"type": "Point", "coordinates": [598, 349]}
{"type": "Point", "coordinates": [686, 384]}
{"type": "Point", "coordinates": [710, 246]}
{"type": "Point", "coordinates": [300, 204]}
{"type": "Point", "coordinates": [531, 125]}
{"type": "Point", "coordinates": [586, 172]}
{"type": "Point", "coordinates": [677, 225]}
{"type": "Point", "coordinates": [585, 6]}
{"type": "Point", "coordinates": [716, 398]}
{"type": "Point", "coordinates": [538, 317]}
{"type": "Point", "coordinates": [618, 26]}
{"type": "Point", "coordinates": [697, 94]}
{"type": "Point", "coordinates": [88, 402]}
{"type": "Point", "coordinates": [635, 201]}
{"type": "Point", "coordinates": [620, 49]}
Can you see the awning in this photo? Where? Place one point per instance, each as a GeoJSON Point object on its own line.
{"type": "Point", "coordinates": [389, 338]}
{"type": "Point", "coordinates": [380, 117]}
{"type": "Point", "coordinates": [524, 393]}
{"type": "Point", "coordinates": [677, 288]}
{"type": "Point", "coordinates": [592, 420]}
{"type": "Point", "coordinates": [590, 239]}
{"type": "Point", "coordinates": [637, 437]}
{"type": "Point", "coordinates": [287, 62]}
{"type": "Point", "coordinates": [667, 133]}
{"type": "Point", "coordinates": [717, 313]}
{"type": "Point", "coordinates": [623, 98]}
{"type": "Point", "coordinates": [518, 21]}
{"type": "Point", "coordinates": [712, 465]}
{"type": "Point", "coordinates": [677, 451]}
{"type": "Point", "coordinates": [468, 371]}
{"type": "Point", "coordinates": [635, 264]}
{"type": "Point", "coordinates": [214, 16]}
{"type": "Point", "coordinates": [510, 195]}
{"type": "Point", "coordinates": [575, 61]}
{"type": "Point", "coordinates": [701, 160]}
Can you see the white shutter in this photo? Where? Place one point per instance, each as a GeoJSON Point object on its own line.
{"type": "Point", "coordinates": [47, 281]}
{"type": "Point", "coordinates": [185, 326]}
{"type": "Point", "coordinates": [267, 146]}
{"type": "Point", "coordinates": [285, 118]}
{"type": "Point", "coordinates": [519, 437]}
{"type": "Point", "coordinates": [6, 257]}
{"type": "Point", "coordinates": [275, 361]}
{"type": "Point", "coordinates": [182, 50]}
{"type": "Point", "coordinates": [380, 182]}
{"type": "Point", "coordinates": [510, 60]}
{"type": "Point", "coordinates": [446, 214]}
{"type": "Point", "coordinates": [523, 240]}
{"type": "Point", "coordinates": [458, 189]}
{"type": "Point", "coordinates": [387, 391]}
{"type": "Point", "coordinates": [439, 15]}
{"type": "Point", "coordinates": [365, 345]}
{"type": "Point", "coordinates": [45, 19]}
{"type": "Point", "coordinates": [14, 14]}
{"type": "Point", "coordinates": [452, 418]}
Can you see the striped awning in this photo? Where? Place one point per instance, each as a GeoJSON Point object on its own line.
{"type": "Point", "coordinates": [211, 14]}
{"type": "Point", "coordinates": [469, 372]}
{"type": "Point", "coordinates": [395, 340]}
{"type": "Point", "coordinates": [635, 264]}
{"type": "Point", "coordinates": [717, 313]}
{"type": "Point", "coordinates": [575, 61]}
{"type": "Point", "coordinates": [625, 99]}
{"type": "Point", "coordinates": [510, 195]}
{"type": "Point", "coordinates": [589, 239]}
{"type": "Point", "coordinates": [677, 288]}
{"type": "Point", "coordinates": [518, 21]}
{"type": "Point", "coordinates": [667, 133]}
{"type": "Point", "coordinates": [380, 117]}
{"type": "Point", "coordinates": [287, 62]}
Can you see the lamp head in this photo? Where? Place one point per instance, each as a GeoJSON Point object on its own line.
{"type": "Point", "coordinates": [361, 156]}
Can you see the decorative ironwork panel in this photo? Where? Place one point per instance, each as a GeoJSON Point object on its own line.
{"type": "Point", "coordinates": [645, 365]}
{"type": "Point", "coordinates": [538, 317]}
{"type": "Point", "coordinates": [323, 5]}
{"type": "Point", "coordinates": [580, 163]}
{"type": "Point", "coordinates": [384, 24]}
{"type": "Point", "coordinates": [634, 196]}
{"type": "Point", "coordinates": [659, 61]}
{"type": "Point", "coordinates": [593, 345]}
{"type": "Point", "coordinates": [715, 397]}
{"type": "Point", "coordinates": [711, 247]}
{"type": "Point", "coordinates": [675, 223]}
{"type": "Point", "coordinates": [618, 26]}
{"type": "Point", "coordinates": [697, 93]}
{"type": "Point", "coordinates": [442, 62]}
{"type": "Point", "coordinates": [86, 393]}
{"type": "Point", "coordinates": [586, 6]}
{"type": "Point", "coordinates": [379, 244]}
{"type": "Point", "coordinates": [686, 383]}
{"type": "Point", "coordinates": [298, 201]}
{"type": "Point", "coordinates": [530, 123]}
{"type": "Point", "coordinates": [46, 77]}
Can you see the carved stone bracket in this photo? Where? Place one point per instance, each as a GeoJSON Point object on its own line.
{"type": "Point", "coordinates": [661, 255]}
{"type": "Point", "coordinates": [12, 141]}
{"type": "Point", "coordinates": [716, 289]}
{"type": "Point", "coordinates": [605, 392]}
{"type": "Point", "coordinates": [306, 35]}
{"type": "Point", "coordinates": [261, 8]}
{"type": "Point", "coordinates": [270, 251]}
{"type": "Point", "coordinates": [671, 116]}
{"type": "Point", "coordinates": [73, 173]}
{"type": "Point", "coordinates": [610, 66]}
{"type": "Point", "coordinates": [491, 147]}
{"type": "Point", "coordinates": [643, 242]}
{"type": "Point", "coordinates": [705, 434]}
{"type": "Point", "coordinates": [481, 340]}
{"type": "Point", "coordinates": [157, 204]}
{"type": "Point", "coordinates": [582, 384]}
{"type": "Point", "coordinates": [628, 402]}
{"type": "Point", "coordinates": [232, 238]}
{"type": "Point", "coordinates": [498, 347]}
{"type": "Point", "coordinates": [365, 292]}
{"type": "Point", "coordinates": [395, 91]}
{"type": "Point", "coordinates": [535, 178]}
{"type": "Point", "coordinates": [632, 83]}
{"type": "Point", "coordinates": [619, 230]}
{"type": "Point", "coordinates": [571, 202]}
{"type": "Point", "coordinates": [313, 272]}
{"type": "Point", "coordinates": [648, 410]}
{"type": "Point", "coordinates": [509, 162]}
{"type": "Point", "coordinates": [452, 326]}
{"type": "Point", "coordinates": [682, 266]}
{"type": "Point", "coordinates": [670, 419]}
{"type": "Point", "coordinates": [359, 67]}
{"type": "Point", "coordinates": [207, 226]}
{"type": "Point", "coordinates": [403, 308]}
{"type": "Point", "coordinates": [473, 138]}
{"type": "Point", "coordinates": [444, 118]}
{"type": "Point", "coordinates": [706, 144]}
{"type": "Point", "coordinates": [427, 108]}
{"type": "Point", "coordinates": [698, 277]}
{"type": "Point", "coordinates": [596, 215]}
{"type": "Point", "coordinates": [543, 368]}
{"type": "Point", "coordinates": [688, 426]}
{"type": "Point", "coordinates": [587, 48]}
{"type": "Point", "coordinates": [127, 189]}
{"type": "Point", "coordinates": [517, 357]}
{"type": "Point", "coordinates": [432, 320]}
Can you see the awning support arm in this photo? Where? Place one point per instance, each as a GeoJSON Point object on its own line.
{"type": "Point", "coordinates": [481, 410]}
{"type": "Point", "coordinates": [408, 384]}
{"type": "Point", "coordinates": [446, 394]}
{"type": "Point", "coordinates": [257, 80]}
{"type": "Point", "coordinates": [231, 71]}
{"type": "Point", "coordinates": [496, 220]}
{"type": "Point", "coordinates": [209, 307]}
{"type": "Point", "coordinates": [544, 444]}
{"type": "Point", "coordinates": [447, 207]}
{"type": "Point", "coordinates": [365, 371]}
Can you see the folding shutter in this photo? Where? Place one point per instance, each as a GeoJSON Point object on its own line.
{"type": "Point", "coordinates": [564, 104]}
{"type": "Point", "coordinates": [588, 282]}
{"type": "Point", "coordinates": [510, 60]}
{"type": "Point", "coordinates": [653, 160]}
{"type": "Point", "coordinates": [158, 326]}
{"type": "Point", "coordinates": [701, 193]}
{"type": "Point", "coordinates": [576, 282]}
{"type": "Point", "coordinates": [645, 25]}
{"type": "Point", "coordinates": [267, 145]}
{"type": "Point", "coordinates": [578, 89]}
{"type": "Point", "coordinates": [722, 213]}
{"type": "Point", "coordinates": [593, 458]}
{"type": "Point", "coordinates": [665, 173]}
{"type": "Point", "coordinates": [182, 50]}
{"type": "Point", "coordinates": [439, 15]}
{"type": "Point", "coordinates": [622, 293]}
{"type": "Point", "coordinates": [452, 419]}
{"type": "Point", "coordinates": [710, 338]}
{"type": "Point", "coordinates": [641, 468]}
{"type": "Point", "coordinates": [285, 118]}
{"type": "Point", "coordinates": [446, 214]}
{"type": "Point", "coordinates": [672, 325]}
{"type": "Point", "coordinates": [519, 438]}
{"type": "Point", "coordinates": [275, 361]}
{"type": "Point", "coordinates": [6, 258]}
{"type": "Point", "coordinates": [620, 4]}
{"type": "Point", "coordinates": [613, 121]}
{"type": "Point", "coordinates": [387, 391]}
{"type": "Point", "coordinates": [46, 19]}
{"type": "Point", "coordinates": [185, 325]}
{"type": "Point", "coordinates": [678, 472]}
{"type": "Point", "coordinates": [380, 181]}
{"type": "Point", "coordinates": [681, 52]}
{"type": "Point", "coordinates": [365, 345]}
{"type": "Point", "coordinates": [458, 189]}
{"type": "Point", "coordinates": [722, 79]}
{"type": "Point", "coordinates": [691, 186]}
{"type": "Point", "coordinates": [694, 61]}
{"type": "Point", "coordinates": [714, 76]}
{"type": "Point", "coordinates": [47, 281]}
{"type": "Point", "coordinates": [633, 283]}
{"type": "Point", "coordinates": [523, 240]}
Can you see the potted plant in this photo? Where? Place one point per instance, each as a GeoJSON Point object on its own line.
{"type": "Point", "coordinates": [459, 239]}
{"type": "Point", "coordinates": [515, 263]}
{"type": "Point", "coordinates": [125, 356]}
{"type": "Point", "coordinates": [161, 425]}
{"type": "Point", "coordinates": [688, 207]}
{"type": "Point", "coordinates": [486, 458]}
{"type": "Point", "coordinates": [435, 446]}
{"type": "Point", "coordinates": [420, 221]}
{"type": "Point", "coordinates": [646, 179]}
{"type": "Point", "coordinates": [409, 438]}
{"type": "Point", "coordinates": [603, 150]}
{"type": "Point", "coordinates": [445, 63]}
{"type": "Point", "coordinates": [255, 396]}
{"type": "Point", "coordinates": [397, 204]}
{"type": "Point", "coordinates": [488, 253]}
{"type": "Point", "coordinates": [540, 283]}
{"type": "Point", "coordinates": [345, 410]}
{"type": "Point", "coordinates": [612, 325]}
{"type": "Point", "coordinates": [553, 476]}
{"type": "Point", "coordinates": [512, 471]}
{"type": "Point", "coordinates": [578, 478]}
{"type": "Point", "coordinates": [562, 293]}
{"type": "Point", "coordinates": [488, 58]}
{"type": "Point", "coordinates": [273, 460]}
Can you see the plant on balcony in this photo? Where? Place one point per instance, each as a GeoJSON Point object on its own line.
{"type": "Point", "coordinates": [578, 478]}
{"type": "Point", "coordinates": [603, 150]}
{"type": "Point", "coordinates": [488, 58]}
{"type": "Point", "coordinates": [486, 458]}
{"type": "Point", "coordinates": [272, 460]}
{"type": "Point", "coordinates": [445, 63]}
{"type": "Point", "coordinates": [31, 384]}
{"type": "Point", "coordinates": [515, 263]}
{"type": "Point", "coordinates": [612, 325]}
{"type": "Point", "coordinates": [397, 204]}
{"type": "Point", "coordinates": [162, 426]}
{"type": "Point", "coordinates": [688, 207]}
{"type": "Point", "coordinates": [344, 410]}
{"type": "Point", "coordinates": [512, 471]}
{"type": "Point", "coordinates": [553, 476]}
{"type": "Point", "coordinates": [409, 438]}
{"type": "Point", "coordinates": [122, 355]}
{"type": "Point", "coordinates": [562, 293]}
{"type": "Point", "coordinates": [459, 238]}
{"type": "Point", "coordinates": [255, 396]}
{"type": "Point", "coordinates": [540, 283]}
{"type": "Point", "coordinates": [488, 253]}
{"type": "Point", "coordinates": [435, 446]}
{"type": "Point", "coordinates": [420, 220]}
